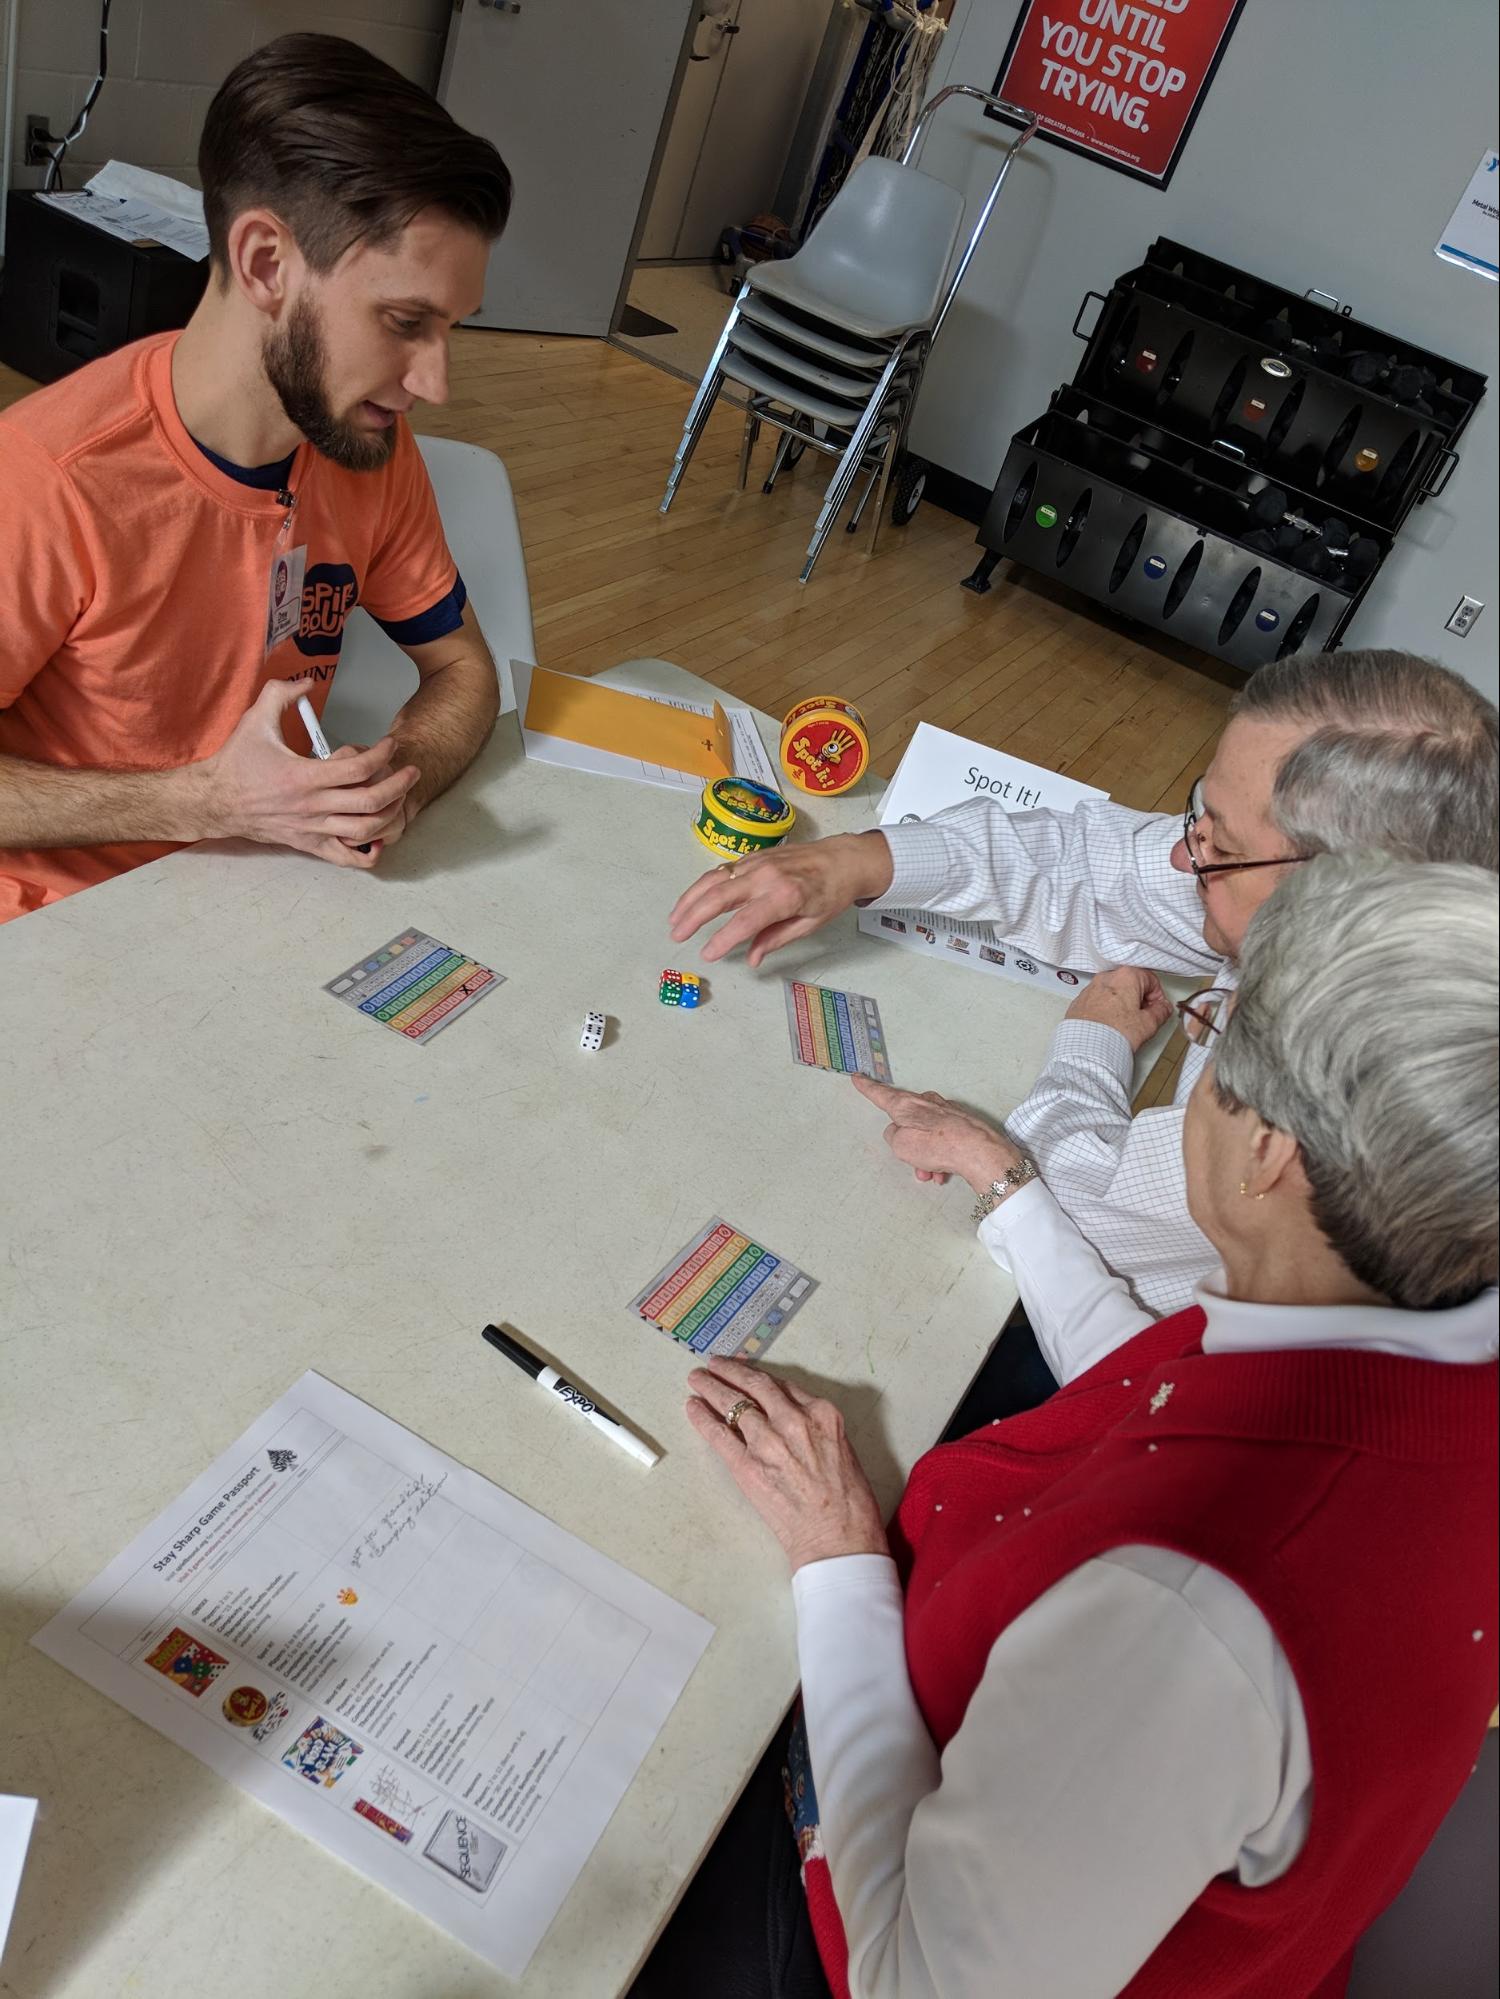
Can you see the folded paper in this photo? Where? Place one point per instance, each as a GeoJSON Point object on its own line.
{"type": "Point", "coordinates": [630, 725]}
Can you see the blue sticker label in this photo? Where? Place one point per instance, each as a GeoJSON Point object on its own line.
{"type": "Point", "coordinates": [1154, 566]}
{"type": "Point", "coordinates": [1268, 620]}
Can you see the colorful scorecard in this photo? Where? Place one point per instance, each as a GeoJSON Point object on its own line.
{"type": "Point", "coordinates": [836, 1030]}
{"type": "Point", "coordinates": [725, 1294]}
{"type": "Point", "coordinates": [414, 985]}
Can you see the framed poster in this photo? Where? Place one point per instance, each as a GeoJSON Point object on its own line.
{"type": "Point", "coordinates": [1117, 80]}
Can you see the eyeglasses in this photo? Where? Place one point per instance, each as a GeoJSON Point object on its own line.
{"type": "Point", "coordinates": [1204, 1013]}
{"type": "Point", "coordinates": [1190, 818]}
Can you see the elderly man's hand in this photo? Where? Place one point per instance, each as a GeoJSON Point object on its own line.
{"type": "Point", "coordinates": [936, 1138]}
{"type": "Point", "coordinates": [787, 1453]}
{"type": "Point", "coordinates": [776, 898]}
{"type": "Point", "coordinates": [1127, 999]}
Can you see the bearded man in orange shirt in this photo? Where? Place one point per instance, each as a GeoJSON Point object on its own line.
{"type": "Point", "coordinates": [186, 524]}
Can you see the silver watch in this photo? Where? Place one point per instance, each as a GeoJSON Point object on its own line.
{"type": "Point", "coordinates": [1002, 1189]}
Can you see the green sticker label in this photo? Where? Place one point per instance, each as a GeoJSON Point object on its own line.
{"type": "Point", "coordinates": [1046, 517]}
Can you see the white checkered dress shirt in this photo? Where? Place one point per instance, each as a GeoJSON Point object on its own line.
{"type": "Point", "coordinates": [1089, 888]}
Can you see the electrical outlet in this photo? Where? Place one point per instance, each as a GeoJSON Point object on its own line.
{"type": "Point", "coordinates": [39, 140]}
{"type": "Point", "coordinates": [1462, 621]}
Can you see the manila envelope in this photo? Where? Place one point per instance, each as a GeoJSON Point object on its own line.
{"type": "Point", "coordinates": [605, 718]}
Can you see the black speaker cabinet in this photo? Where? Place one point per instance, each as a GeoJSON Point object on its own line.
{"type": "Point", "coordinates": [1128, 529]}
{"type": "Point", "coordinates": [72, 292]}
{"type": "Point", "coordinates": [1231, 462]}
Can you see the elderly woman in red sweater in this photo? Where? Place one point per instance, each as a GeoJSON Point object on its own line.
{"type": "Point", "coordinates": [1163, 1687]}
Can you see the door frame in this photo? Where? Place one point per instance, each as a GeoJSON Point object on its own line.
{"type": "Point", "coordinates": [690, 35]}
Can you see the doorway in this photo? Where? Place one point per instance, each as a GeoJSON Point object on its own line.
{"type": "Point", "coordinates": [751, 103]}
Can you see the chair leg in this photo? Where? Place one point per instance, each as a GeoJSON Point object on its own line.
{"type": "Point", "coordinates": [893, 450]}
{"type": "Point", "coordinates": [847, 469]}
{"type": "Point", "coordinates": [783, 446]}
{"type": "Point", "coordinates": [885, 477]}
{"type": "Point", "coordinates": [851, 526]}
{"type": "Point", "coordinates": [833, 503]}
{"type": "Point", "coordinates": [702, 406]}
{"type": "Point", "coordinates": [697, 422]}
{"type": "Point", "coordinates": [747, 445]}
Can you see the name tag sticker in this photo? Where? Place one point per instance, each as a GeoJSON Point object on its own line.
{"type": "Point", "coordinates": [284, 595]}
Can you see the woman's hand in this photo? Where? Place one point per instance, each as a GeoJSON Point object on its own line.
{"type": "Point", "coordinates": [936, 1138]}
{"type": "Point", "coordinates": [787, 1452]}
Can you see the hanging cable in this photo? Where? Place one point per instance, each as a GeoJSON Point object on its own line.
{"type": "Point", "coordinates": [54, 170]}
{"type": "Point", "coordinates": [910, 73]}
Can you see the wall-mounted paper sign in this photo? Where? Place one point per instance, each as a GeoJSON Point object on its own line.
{"type": "Point", "coordinates": [1472, 238]}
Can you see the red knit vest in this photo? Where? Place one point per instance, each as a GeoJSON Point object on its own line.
{"type": "Point", "coordinates": [1350, 1494]}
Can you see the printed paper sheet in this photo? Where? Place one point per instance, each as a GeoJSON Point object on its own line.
{"type": "Point", "coordinates": [427, 1677]}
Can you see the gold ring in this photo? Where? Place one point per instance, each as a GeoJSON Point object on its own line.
{"type": "Point", "coordinates": [732, 1420]}
{"type": "Point", "coordinates": [725, 868]}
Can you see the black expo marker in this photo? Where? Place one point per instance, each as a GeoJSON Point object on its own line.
{"type": "Point", "coordinates": [570, 1397]}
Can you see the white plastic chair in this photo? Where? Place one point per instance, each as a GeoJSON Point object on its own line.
{"type": "Point", "coordinates": [876, 262]}
{"type": "Point", "coordinates": [478, 512]}
{"type": "Point", "coordinates": [832, 343]}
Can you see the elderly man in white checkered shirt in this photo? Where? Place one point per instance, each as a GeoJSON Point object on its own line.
{"type": "Point", "coordinates": [1323, 752]}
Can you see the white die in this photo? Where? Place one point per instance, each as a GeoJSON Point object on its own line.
{"type": "Point", "coordinates": [592, 1039]}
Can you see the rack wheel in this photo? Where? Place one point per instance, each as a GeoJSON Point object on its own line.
{"type": "Point", "coordinates": [911, 483]}
{"type": "Point", "coordinates": [793, 452]}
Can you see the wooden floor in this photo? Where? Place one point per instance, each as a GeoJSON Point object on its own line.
{"type": "Point", "coordinates": [588, 433]}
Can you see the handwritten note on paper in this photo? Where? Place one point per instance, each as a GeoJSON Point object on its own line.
{"type": "Point", "coordinates": [431, 1680]}
{"type": "Point", "coordinates": [399, 1518]}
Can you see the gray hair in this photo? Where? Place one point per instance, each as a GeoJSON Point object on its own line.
{"type": "Point", "coordinates": [1402, 756]}
{"type": "Point", "coordinates": [1366, 1028]}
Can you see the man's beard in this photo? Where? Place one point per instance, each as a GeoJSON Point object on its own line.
{"type": "Point", "coordinates": [296, 364]}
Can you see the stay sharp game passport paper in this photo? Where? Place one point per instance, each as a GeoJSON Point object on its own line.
{"type": "Point", "coordinates": [400, 1659]}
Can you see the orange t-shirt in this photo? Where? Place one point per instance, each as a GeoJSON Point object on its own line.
{"type": "Point", "coordinates": [134, 580]}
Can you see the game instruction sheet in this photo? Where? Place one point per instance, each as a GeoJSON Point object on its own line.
{"type": "Point", "coordinates": [432, 1680]}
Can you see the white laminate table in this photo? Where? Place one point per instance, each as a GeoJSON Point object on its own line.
{"type": "Point", "coordinates": [216, 1176]}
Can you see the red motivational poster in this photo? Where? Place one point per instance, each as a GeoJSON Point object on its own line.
{"type": "Point", "coordinates": [1120, 80]}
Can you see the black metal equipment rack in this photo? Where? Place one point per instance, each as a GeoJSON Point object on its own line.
{"type": "Point", "coordinates": [1231, 462]}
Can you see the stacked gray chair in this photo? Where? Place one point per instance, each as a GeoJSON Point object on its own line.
{"type": "Point", "coordinates": [831, 344]}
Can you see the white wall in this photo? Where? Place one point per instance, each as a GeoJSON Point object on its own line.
{"type": "Point", "coordinates": [167, 58]}
{"type": "Point", "coordinates": [1330, 150]}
